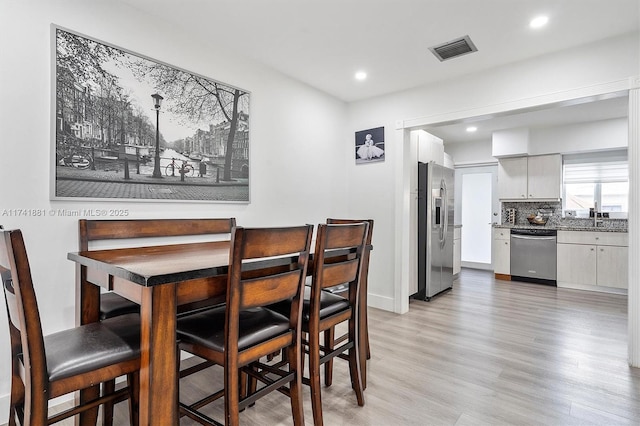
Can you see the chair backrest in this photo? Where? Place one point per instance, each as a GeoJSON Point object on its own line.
{"type": "Point", "coordinates": [332, 266]}
{"type": "Point", "coordinates": [94, 230]}
{"type": "Point", "coordinates": [275, 280]}
{"type": "Point", "coordinates": [22, 307]}
{"type": "Point", "coordinates": [367, 251]}
{"type": "Point", "coordinates": [347, 221]}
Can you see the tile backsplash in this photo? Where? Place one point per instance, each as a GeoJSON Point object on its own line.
{"type": "Point", "coordinates": [553, 210]}
{"type": "Point", "coordinates": [523, 209]}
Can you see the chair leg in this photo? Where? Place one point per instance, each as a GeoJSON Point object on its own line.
{"type": "Point", "coordinates": [363, 366]}
{"type": "Point", "coordinates": [252, 385]}
{"type": "Point", "coordinates": [295, 388]}
{"type": "Point", "coordinates": [133, 382]}
{"type": "Point", "coordinates": [355, 357]}
{"type": "Point", "coordinates": [108, 388]}
{"type": "Point", "coordinates": [12, 416]}
{"type": "Point", "coordinates": [16, 402]}
{"type": "Point", "coordinates": [365, 326]}
{"type": "Point", "coordinates": [13, 412]}
{"type": "Point", "coordinates": [231, 394]}
{"type": "Point", "coordinates": [329, 336]}
{"type": "Point", "coordinates": [36, 407]}
{"type": "Point", "coordinates": [89, 416]}
{"type": "Point", "coordinates": [363, 342]}
{"type": "Point", "coordinates": [314, 377]}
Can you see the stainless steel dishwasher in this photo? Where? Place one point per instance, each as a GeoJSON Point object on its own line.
{"type": "Point", "coordinates": [533, 255]}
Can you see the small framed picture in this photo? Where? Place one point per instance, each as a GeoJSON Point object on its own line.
{"type": "Point", "coordinates": [370, 145]}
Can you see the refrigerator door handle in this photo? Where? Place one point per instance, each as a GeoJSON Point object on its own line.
{"type": "Point", "coordinates": [445, 217]}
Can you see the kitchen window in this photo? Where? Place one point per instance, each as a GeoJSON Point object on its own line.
{"type": "Point", "coordinates": [596, 177]}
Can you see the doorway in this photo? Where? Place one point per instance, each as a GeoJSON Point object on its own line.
{"type": "Point", "coordinates": [477, 209]}
{"type": "Point", "coordinates": [406, 160]}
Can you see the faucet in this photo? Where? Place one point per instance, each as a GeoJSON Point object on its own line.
{"type": "Point", "coordinates": [596, 221]}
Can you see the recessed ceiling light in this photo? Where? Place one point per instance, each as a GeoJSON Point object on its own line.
{"type": "Point", "coordinates": [361, 75]}
{"type": "Point", "coordinates": [471, 129]}
{"type": "Point", "coordinates": [539, 21]}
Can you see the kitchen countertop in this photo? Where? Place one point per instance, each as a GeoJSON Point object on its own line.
{"type": "Point", "coordinates": [562, 227]}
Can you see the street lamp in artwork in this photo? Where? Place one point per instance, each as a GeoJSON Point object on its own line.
{"type": "Point", "coordinates": [157, 102]}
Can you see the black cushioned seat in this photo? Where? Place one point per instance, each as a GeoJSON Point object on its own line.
{"type": "Point", "coordinates": [206, 328]}
{"type": "Point", "coordinates": [92, 346]}
{"type": "Point", "coordinates": [330, 304]}
{"type": "Point", "coordinates": [113, 305]}
{"type": "Point", "coordinates": [336, 289]}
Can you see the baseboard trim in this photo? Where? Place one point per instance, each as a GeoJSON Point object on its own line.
{"type": "Point", "coordinates": [380, 302]}
{"type": "Point", "coordinates": [4, 408]}
{"type": "Point", "coordinates": [598, 288]}
{"type": "Point", "coordinates": [503, 277]}
{"type": "Point", "coordinates": [477, 265]}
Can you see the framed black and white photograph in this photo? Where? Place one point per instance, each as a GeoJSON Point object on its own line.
{"type": "Point", "coordinates": [127, 127]}
{"type": "Point", "coordinates": [370, 145]}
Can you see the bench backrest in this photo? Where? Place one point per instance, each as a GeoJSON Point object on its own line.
{"type": "Point", "coordinates": [94, 230]}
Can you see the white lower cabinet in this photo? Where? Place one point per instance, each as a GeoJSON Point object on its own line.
{"type": "Point", "coordinates": [613, 266]}
{"type": "Point", "coordinates": [591, 258]}
{"type": "Point", "coordinates": [501, 251]}
{"type": "Point", "coordinates": [576, 264]}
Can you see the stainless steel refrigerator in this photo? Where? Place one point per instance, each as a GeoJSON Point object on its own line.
{"type": "Point", "coordinates": [435, 229]}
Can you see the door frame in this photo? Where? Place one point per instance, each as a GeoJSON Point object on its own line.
{"type": "Point", "coordinates": [404, 166]}
{"type": "Point", "coordinates": [491, 168]}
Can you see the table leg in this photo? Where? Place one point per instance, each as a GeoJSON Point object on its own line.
{"type": "Point", "coordinates": [158, 371]}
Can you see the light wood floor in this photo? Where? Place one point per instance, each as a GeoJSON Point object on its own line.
{"type": "Point", "coordinates": [486, 353]}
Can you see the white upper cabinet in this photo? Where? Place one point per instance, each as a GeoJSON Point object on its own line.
{"type": "Point", "coordinates": [512, 178]}
{"type": "Point", "coordinates": [545, 176]}
{"type": "Point", "coordinates": [530, 178]}
{"type": "Point", "coordinates": [430, 147]}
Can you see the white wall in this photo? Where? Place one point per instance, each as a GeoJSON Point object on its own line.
{"type": "Point", "coordinates": [510, 142]}
{"type": "Point", "coordinates": [591, 136]}
{"type": "Point", "coordinates": [298, 150]}
{"type": "Point", "coordinates": [473, 152]}
{"type": "Point", "coordinates": [598, 68]}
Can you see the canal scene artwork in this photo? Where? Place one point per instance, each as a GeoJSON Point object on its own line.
{"type": "Point", "coordinates": [131, 128]}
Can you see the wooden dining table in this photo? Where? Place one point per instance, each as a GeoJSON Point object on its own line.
{"type": "Point", "coordinates": [160, 279]}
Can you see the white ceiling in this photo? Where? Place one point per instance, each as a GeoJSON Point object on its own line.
{"type": "Point", "coordinates": [324, 42]}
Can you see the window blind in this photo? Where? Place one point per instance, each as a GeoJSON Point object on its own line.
{"type": "Point", "coordinates": [600, 168]}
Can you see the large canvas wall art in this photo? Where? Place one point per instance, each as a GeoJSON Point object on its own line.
{"type": "Point", "coordinates": [127, 127]}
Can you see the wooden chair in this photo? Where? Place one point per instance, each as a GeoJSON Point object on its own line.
{"type": "Point", "coordinates": [329, 336]}
{"type": "Point", "coordinates": [337, 259]}
{"type": "Point", "coordinates": [46, 367]}
{"type": "Point", "coordinates": [324, 310]}
{"type": "Point", "coordinates": [238, 334]}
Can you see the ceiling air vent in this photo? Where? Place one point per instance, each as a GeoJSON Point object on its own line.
{"type": "Point", "coordinates": [453, 49]}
